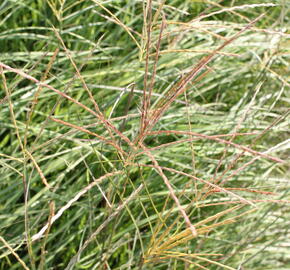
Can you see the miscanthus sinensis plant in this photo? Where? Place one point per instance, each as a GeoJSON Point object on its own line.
{"type": "Point", "coordinates": [144, 134]}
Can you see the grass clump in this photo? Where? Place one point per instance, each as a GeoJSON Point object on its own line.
{"type": "Point", "coordinates": [144, 135]}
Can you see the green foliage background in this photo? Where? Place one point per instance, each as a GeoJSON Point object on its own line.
{"type": "Point", "coordinates": [245, 91]}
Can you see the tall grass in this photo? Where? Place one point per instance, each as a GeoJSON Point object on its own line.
{"type": "Point", "coordinates": [144, 134]}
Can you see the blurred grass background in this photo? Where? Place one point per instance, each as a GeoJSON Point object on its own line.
{"type": "Point", "coordinates": [122, 222]}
